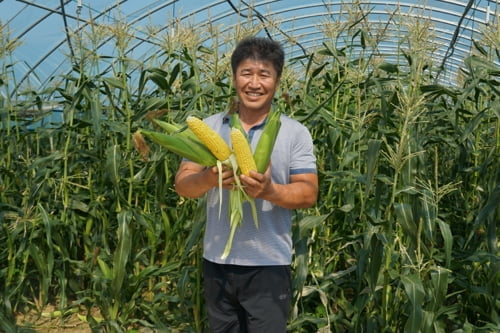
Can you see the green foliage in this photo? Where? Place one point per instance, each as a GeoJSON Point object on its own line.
{"type": "Point", "coordinates": [403, 238]}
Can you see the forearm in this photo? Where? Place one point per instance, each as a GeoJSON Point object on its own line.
{"type": "Point", "coordinates": [301, 192]}
{"type": "Point", "coordinates": [192, 186]}
{"type": "Point", "coordinates": [293, 196]}
{"type": "Point", "coordinates": [192, 180]}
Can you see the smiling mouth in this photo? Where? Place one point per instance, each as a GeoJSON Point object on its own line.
{"type": "Point", "coordinates": [253, 94]}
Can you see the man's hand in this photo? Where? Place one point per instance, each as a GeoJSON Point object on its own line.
{"type": "Point", "coordinates": [258, 185]}
{"type": "Point", "coordinates": [227, 177]}
{"type": "Point", "coordinates": [301, 192]}
{"type": "Point", "coordinates": [193, 180]}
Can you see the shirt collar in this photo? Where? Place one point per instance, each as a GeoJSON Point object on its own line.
{"type": "Point", "coordinates": [227, 118]}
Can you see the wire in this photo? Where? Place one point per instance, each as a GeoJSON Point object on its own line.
{"type": "Point", "coordinates": [262, 18]}
{"type": "Point", "coordinates": [66, 29]}
{"type": "Point", "coordinates": [453, 41]}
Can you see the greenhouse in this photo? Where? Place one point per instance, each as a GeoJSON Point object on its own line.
{"type": "Point", "coordinates": [402, 103]}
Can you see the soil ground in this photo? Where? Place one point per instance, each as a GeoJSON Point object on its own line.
{"type": "Point", "coordinates": [42, 322]}
{"type": "Point", "coordinates": [35, 322]}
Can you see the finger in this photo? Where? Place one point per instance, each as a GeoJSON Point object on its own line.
{"type": "Point", "coordinates": [247, 181]}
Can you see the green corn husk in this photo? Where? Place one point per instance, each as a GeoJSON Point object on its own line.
{"type": "Point", "coordinates": [170, 128]}
{"type": "Point", "coordinates": [235, 122]}
{"type": "Point", "coordinates": [176, 129]}
{"type": "Point", "coordinates": [183, 146]}
{"type": "Point", "coordinates": [262, 155]}
{"type": "Point", "coordinates": [235, 218]}
{"type": "Point", "coordinates": [264, 148]}
{"type": "Point", "coordinates": [237, 197]}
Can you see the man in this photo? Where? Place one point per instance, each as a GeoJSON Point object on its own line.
{"type": "Point", "coordinates": [250, 290]}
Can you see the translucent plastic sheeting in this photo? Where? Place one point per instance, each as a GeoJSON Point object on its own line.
{"type": "Point", "coordinates": [46, 28]}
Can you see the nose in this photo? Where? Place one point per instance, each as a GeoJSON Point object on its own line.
{"type": "Point", "coordinates": [254, 81]}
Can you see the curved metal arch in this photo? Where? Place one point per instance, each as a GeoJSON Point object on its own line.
{"type": "Point", "coordinates": [312, 26]}
{"type": "Point", "coordinates": [55, 48]}
{"type": "Point", "coordinates": [454, 61]}
{"type": "Point", "coordinates": [292, 21]}
{"type": "Point", "coordinates": [41, 19]}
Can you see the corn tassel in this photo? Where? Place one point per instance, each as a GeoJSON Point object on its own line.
{"type": "Point", "coordinates": [243, 152]}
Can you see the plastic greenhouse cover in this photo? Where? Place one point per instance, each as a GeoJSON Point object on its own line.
{"type": "Point", "coordinates": [44, 27]}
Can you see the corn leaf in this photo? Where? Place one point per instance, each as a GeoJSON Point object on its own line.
{"type": "Point", "coordinates": [122, 252]}
{"type": "Point", "coordinates": [415, 293]}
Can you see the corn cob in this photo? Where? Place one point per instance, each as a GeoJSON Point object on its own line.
{"type": "Point", "coordinates": [238, 196]}
{"type": "Point", "coordinates": [242, 151]}
{"type": "Point", "coordinates": [193, 143]}
{"type": "Point", "coordinates": [264, 148]}
{"type": "Point", "coordinates": [212, 140]}
{"type": "Point", "coordinates": [216, 144]}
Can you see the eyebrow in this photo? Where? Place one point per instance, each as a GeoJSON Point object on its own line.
{"type": "Point", "coordinates": [260, 70]}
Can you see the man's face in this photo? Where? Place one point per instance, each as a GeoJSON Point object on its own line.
{"type": "Point", "coordinates": [255, 82]}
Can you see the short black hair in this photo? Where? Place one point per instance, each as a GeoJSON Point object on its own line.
{"type": "Point", "coordinates": [259, 48]}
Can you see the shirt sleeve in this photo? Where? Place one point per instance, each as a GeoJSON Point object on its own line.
{"type": "Point", "coordinates": [303, 158]}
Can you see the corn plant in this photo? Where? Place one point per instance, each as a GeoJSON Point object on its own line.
{"type": "Point", "coordinates": [387, 247]}
{"type": "Point", "coordinates": [404, 234]}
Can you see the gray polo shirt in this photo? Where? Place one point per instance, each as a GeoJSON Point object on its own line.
{"type": "Point", "coordinates": [270, 243]}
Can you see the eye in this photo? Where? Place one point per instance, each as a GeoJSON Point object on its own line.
{"type": "Point", "coordinates": [265, 74]}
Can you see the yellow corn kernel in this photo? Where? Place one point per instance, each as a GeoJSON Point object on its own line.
{"type": "Point", "coordinates": [243, 152]}
{"type": "Point", "coordinates": [210, 138]}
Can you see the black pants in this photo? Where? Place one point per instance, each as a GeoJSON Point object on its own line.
{"type": "Point", "coordinates": [243, 299]}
